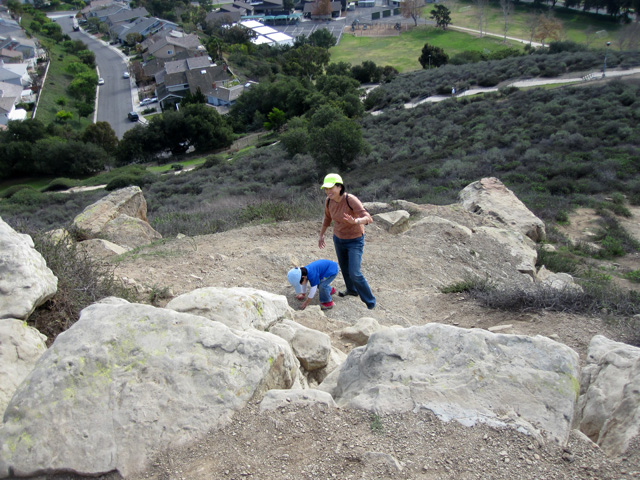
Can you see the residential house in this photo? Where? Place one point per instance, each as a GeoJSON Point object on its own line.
{"type": "Point", "coordinates": [167, 46]}
{"type": "Point", "coordinates": [225, 97]}
{"type": "Point", "coordinates": [229, 14]}
{"type": "Point", "coordinates": [9, 27]}
{"type": "Point", "coordinates": [101, 13]}
{"type": "Point", "coordinates": [189, 75]}
{"type": "Point", "coordinates": [10, 56]}
{"type": "Point", "coordinates": [142, 26]}
{"type": "Point", "coordinates": [25, 46]}
{"type": "Point", "coordinates": [269, 7]}
{"type": "Point", "coordinates": [10, 95]}
{"type": "Point", "coordinates": [15, 74]}
{"type": "Point", "coordinates": [310, 7]}
{"type": "Point", "coordinates": [125, 16]}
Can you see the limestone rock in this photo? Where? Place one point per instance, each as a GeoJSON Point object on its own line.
{"type": "Point", "coordinates": [441, 226]}
{"type": "Point", "coordinates": [100, 249]}
{"type": "Point", "coordinates": [410, 207]}
{"type": "Point", "coordinates": [127, 201]}
{"type": "Point", "coordinates": [394, 222]}
{"type": "Point", "coordinates": [489, 196]}
{"type": "Point", "coordinates": [25, 280]}
{"type": "Point", "coordinates": [376, 207]}
{"type": "Point", "coordinates": [127, 381]}
{"type": "Point", "coordinates": [238, 308]}
{"type": "Point", "coordinates": [516, 244]}
{"type": "Point", "coordinates": [20, 347]}
{"type": "Point", "coordinates": [467, 375]}
{"type": "Point", "coordinates": [129, 232]}
{"type": "Point", "coordinates": [361, 331]}
{"type": "Point", "coordinates": [311, 347]}
{"type": "Point", "coordinates": [608, 410]}
{"type": "Point", "coordinates": [279, 398]}
{"type": "Point", "coordinates": [557, 281]}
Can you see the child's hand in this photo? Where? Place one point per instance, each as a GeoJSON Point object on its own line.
{"type": "Point", "coordinates": [300, 296]}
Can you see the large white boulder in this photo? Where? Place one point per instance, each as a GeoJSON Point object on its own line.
{"type": "Point", "coordinates": [25, 280]}
{"type": "Point", "coordinates": [608, 409]}
{"type": "Point", "coordinates": [20, 347]}
{"type": "Point", "coordinates": [127, 381]}
{"type": "Point", "coordinates": [490, 197]}
{"type": "Point", "coordinates": [311, 347]}
{"type": "Point", "coordinates": [530, 383]}
{"type": "Point", "coordinates": [240, 308]}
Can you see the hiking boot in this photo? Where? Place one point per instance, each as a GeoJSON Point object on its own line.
{"type": "Point", "coordinates": [333, 290]}
{"type": "Point", "coordinates": [347, 292]}
{"type": "Point", "coordinates": [327, 305]}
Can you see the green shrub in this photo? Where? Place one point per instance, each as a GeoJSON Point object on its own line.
{"type": "Point", "coordinates": [557, 262]}
{"type": "Point", "coordinates": [633, 276]}
{"type": "Point", "coordinates": [13, 189]}
{"type": "Point", "coordinates": [123, 181]}
{"type": "Point", "coordinates": [81, 282]}
{"type": "Point", "coordinates": [60, 184]}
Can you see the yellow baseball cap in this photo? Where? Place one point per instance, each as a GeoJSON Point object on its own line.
{"type": "Point", "coordinates": [331, 179]}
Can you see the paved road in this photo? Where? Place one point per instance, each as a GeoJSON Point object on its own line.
{"type": "Point", "coordinates": [114, 98]}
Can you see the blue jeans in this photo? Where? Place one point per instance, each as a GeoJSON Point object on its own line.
{"type": "Point", "coordinates": [349, 253]}
{"type": "Point", "coordinates": [324, 287]}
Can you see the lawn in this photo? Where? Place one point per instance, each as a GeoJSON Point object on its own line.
{"type": "Point", "coordinates": [402, 52]}
{"type": "Point", "coordinates": [579, 26]}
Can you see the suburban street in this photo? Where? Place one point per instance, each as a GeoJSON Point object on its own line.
{"type": "Point", "coordinates": [114, 98]}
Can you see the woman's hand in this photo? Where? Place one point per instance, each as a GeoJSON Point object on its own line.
{"type": "Point", "coordinates": [321, 243]}
{"type": "Point", "coordinates": [349, 219]}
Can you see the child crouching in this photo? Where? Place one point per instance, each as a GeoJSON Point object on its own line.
{"type": "Point", "coordinates": [318, 275]}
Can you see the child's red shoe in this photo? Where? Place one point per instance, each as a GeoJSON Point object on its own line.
{"type": "Point", "coordinates": [327, 306]}
{"type": "Point", "coordinates": [333, 290]}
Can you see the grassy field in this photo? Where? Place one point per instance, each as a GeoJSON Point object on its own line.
{"type": "Point", "coordinates": [402, 52]}
{"type": "Point", "coordinates": [579, 27]}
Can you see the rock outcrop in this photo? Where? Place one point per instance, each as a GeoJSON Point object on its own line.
{"type": "Point", "coordinates": [20, 348]}
{"type": "Point", "coordinates": [25, 280]}
{"type": "Point", "coordinates": [127, 381]}
{"type": "Point", "coordinates": [120, 217]}
{"type": "Point", "coordinates": [608, 410]}
{"type": "Point", "coordinates": [467, 375]}
{"type": "Point", "coordinates": [489, 196]}
{"type": "Point", "coordinates": [238, 308]}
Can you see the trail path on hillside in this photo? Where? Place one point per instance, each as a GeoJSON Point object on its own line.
{"type": "Point", "coordinates": [297, 443]}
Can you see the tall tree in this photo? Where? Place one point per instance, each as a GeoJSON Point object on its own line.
{"type": "Point", "coordinates": [549, 28]}
{"type": "Point", "coordinates": [506, 6]}
{"type": "Point", "coordinates": [433, 56]}
{"type": "Point", "coordinates": [412, 9]}
{"type": "Point", "coordinates": [482, 14]}
{"type": "Point", "coordinates": [441, 15]}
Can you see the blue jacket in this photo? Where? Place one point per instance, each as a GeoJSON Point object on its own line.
{"type": "Point", "coordinates": [320, 269]}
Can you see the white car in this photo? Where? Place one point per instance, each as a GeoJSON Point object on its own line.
{"type": "Point", "coordinates": [125, 75]}
{"type": "Point", "coordinates": [148, 101]}
{"type": "Point", "coordinates": [101, 81]}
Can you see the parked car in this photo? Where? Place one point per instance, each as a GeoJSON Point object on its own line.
{"type": "Point", "coordinates": [148, 101]}
{"type": "Point", "coordinates": [101, 81]}
{"type": "Point", "coordinates": [125, 75]}
{"type": "Point", "coordinates": [133, 116]}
